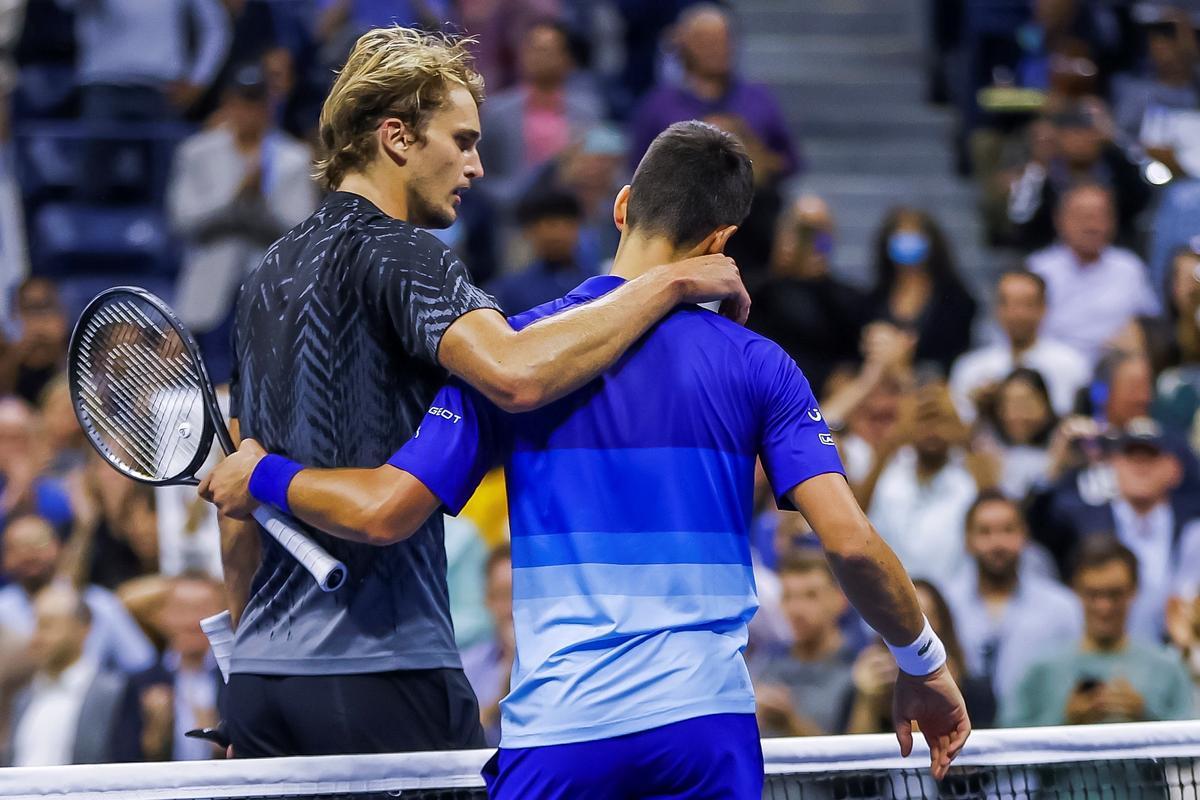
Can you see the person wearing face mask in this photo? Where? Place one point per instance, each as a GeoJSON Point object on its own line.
{"type": "Point", "coordinates": [917, 286]}
{"type": "Point", "coordinates": [815, 317]}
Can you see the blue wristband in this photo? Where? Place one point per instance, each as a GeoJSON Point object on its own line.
{"type": "Point", "coordinates": [270, 480]}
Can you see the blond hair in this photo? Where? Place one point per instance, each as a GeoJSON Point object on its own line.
{"type": "Point", "coordinates": [392, 72]}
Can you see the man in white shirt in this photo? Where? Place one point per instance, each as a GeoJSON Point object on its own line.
{"type": "Point", "coordinates": [1020, 309]}
{"type": "Point", "coordinates": [30, 560]}
{"type": "Point", "coordinates": [1093, 289]}
{"type": "Point", "coordinates": [922, 495]}
{"type": "Point", "coordinates": [1007, 615]}
{"type": "Point", "coordinates": [73, 712]}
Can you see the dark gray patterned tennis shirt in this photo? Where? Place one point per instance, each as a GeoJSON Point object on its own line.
{"type": "Point", "coordinates": [335, 342]}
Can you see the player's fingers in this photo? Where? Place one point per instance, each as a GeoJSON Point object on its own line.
{"type": "Point", "coordinates": [958, 738]}
{"type": "Point", "coordinates": [904, 737]}
{"type": "Point", "coordinates": [205, 488]}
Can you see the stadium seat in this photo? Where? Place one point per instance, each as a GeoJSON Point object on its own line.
{"type": "Point", "coordinates": [72, 239]}
{"type": "Point", "coordinates": [114, 162]}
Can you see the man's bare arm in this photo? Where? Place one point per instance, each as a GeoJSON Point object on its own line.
{"type": "Point", "coordinates": [523, 370]}
{"type": "Point", "coordinates": [379, 506]}
{"type": "Point", "coordinates": [241, 553]}
{"type": "Point", "coordinates": [877, 585]}
{"type": "Point", "coordinates": [871, 575]}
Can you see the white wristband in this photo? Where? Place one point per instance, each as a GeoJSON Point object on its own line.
{"type": "Point", "coordinates": [923, 656]}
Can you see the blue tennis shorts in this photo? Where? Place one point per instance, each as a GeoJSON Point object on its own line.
{"type": "Point", "coordinates": [718, 757]}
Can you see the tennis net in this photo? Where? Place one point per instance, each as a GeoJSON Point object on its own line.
{"type": "Point", "coordinates": [1100, 762]}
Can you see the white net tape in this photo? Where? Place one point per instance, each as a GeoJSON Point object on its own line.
{"type": "Point", "coordinates": [1159, 743]}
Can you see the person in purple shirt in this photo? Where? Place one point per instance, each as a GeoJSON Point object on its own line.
{"type": "Point", "coordinates": [709, 90]}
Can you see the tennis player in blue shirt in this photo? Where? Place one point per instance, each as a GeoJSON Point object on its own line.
{"type": "Point", "coordinates": [630, 502]}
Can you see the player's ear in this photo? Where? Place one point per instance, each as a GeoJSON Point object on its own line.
{"type": "Point", "coordinates": [395, 139]}
{"type": "Point", "coordinates": [621, 208]}
{"type": "Point", "coordinates": [717, 240]}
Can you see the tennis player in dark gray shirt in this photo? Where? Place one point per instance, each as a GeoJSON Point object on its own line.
{"type": "Point", "coordinates": [342, 337]}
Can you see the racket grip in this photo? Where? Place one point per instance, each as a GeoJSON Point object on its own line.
{"type": "Point", "coordinates": [329, 573]}
{"type": "Point", "coordinates": [219, 630]}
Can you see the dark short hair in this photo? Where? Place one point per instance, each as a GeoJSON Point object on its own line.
{"type": "Point", "coordinates": [1022, 272]}
{"type": "Point", "coordinates": [1099, 550]}
{"type": "Point", "coordinates": [694, 179]}
{"type": "Point", "coordinates": [990, 496]}
{"type": "Point", "coordinates": [548, 204]}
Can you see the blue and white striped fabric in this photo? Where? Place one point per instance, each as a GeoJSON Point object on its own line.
{"type": "Point", "coordinates": [630, 504]}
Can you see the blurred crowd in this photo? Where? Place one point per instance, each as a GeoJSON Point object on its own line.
{"type": "Point", "coordinates": [1029, 451]}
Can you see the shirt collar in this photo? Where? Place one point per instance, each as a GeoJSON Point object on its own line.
{"type": "Point", "coordinates": [596, 287]}
{"type": "Point", "coordinates": [75, 678]}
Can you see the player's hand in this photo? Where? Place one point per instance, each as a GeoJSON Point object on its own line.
{"type": "Point", "coordinates": [936, 705]}
{"type": "Point", "coordinates": [228, 485]}
{"type": "Point", "coordinates": [704, 279]}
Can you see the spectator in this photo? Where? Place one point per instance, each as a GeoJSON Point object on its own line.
{"type": "Point", "coordinates": [235, 189]}
{"type": "Point", "coordinates": [1020, 309]}
{"type": "Point", "coordinates": [801, 306]}
{"type": "Point", "coordinates": [74, 712]}
{"type": "Point", "coordinates": [923, 490]}
{"type": "Point", "coordinates": [1176, 225]}
{"type": "Point", "coordinates": [466, 560]}
{"type": "Point", "coordinates": [23, 487]}
{"type": "Point", "coordinates": [489, 664]}
{"type": "Point", "coordinates": [710, 86]}
{"type": "Point", "coordinates": [592, 169]}
{"type": "Point", "coordinates": [64, 438]}
{"type": "Point", "coordinates": [40, 351]}
{"type": "Point", "coordinates": [711, 91]}
{"type": "Point", "coordinates": [535, 120]}
{"type": "Point", "coordinates": [1177, 390]}
{"type": "Point", "coordinates": [1006, 613]}
{"type": "Point", "coordinates": [1147, 515]}
{"type": "Point", "coordinates": [1023, 421]}
{"type": "Point", "coordinates": [1171, 83]}
{"type": "Point", "coordinates": [550, 221]}
{"type": "Point", "coordinates": [1084, 153]}
{"type": "Point", "coordinates": [1093, 289]}
{"type": "Point", "coordinates": [874, 673]}
{"type": "Point", "coordinates": [917, 286]}
{"type": "Point", "coordinates": [1107, 676]}
{"type": "Point", "coordinates": [340, 22]}
{"type": "Point", "coordinates": [115, 537]}
{"type": "Point", "coordinates": [1183, 630]}
{"type": "Point", "coordinates": [32, 560]}
{"type": "Point", "coordinates": [806, 692]}
{"type": "Point", "coordinates": [1123, 389]}
{"type": "Point", "coordinates": [180, 692]}
{"type": "Point", "coordinates": [135, 62]}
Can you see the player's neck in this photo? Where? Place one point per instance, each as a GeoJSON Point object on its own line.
{"type": "Point", "coordinates": [638, 254]}
{"type": "Point", "coordinates": [389, 201]}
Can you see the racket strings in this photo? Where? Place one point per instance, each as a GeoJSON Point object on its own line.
{"type": "Point", "coordinates": [139, 388]}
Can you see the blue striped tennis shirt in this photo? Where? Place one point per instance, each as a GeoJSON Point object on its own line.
{"type": "Point", "coordinates": [630, 504]}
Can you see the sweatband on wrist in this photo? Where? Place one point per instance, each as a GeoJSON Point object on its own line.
{"type": "Point", "coordinates": [923, 656]}
{"type": "Point", "coordinates": [270, 480]}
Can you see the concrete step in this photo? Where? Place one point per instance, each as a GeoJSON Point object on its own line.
{"type": "Point", "coordinates": [789, 55]}
{"type": "Point", "coordinates": [867, 120]}
{"type": "Point", "coordinates": [830, 19]}
{"type": "Point", "coordinates": [883, 96]}
{"type": "Point", "coordinates": [882, 156]}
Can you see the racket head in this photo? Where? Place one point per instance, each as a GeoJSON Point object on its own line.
{"type": "Point", "coordinates": [140, 390]}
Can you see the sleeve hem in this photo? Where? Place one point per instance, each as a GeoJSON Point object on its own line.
{"type": "Point", "coordinates": [437, 348]}
{"type": "Point", "coordinates": [783, 503]}
{"type": "Point", "coordinates": [449, 506]}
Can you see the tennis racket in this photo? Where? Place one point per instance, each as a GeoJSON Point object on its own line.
{"type": "Point", "coordinates": [144, 399]}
